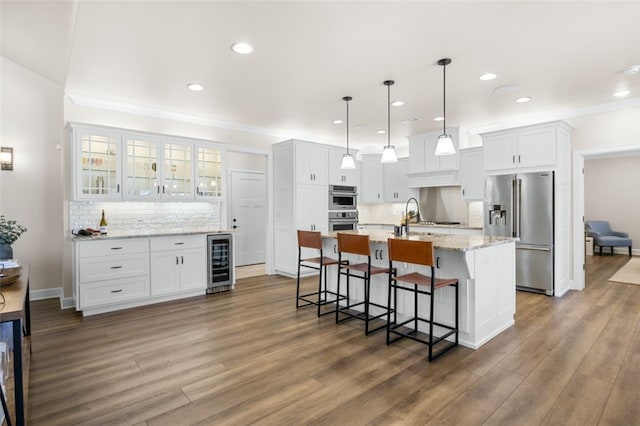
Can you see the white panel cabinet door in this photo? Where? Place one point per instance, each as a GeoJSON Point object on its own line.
{"type": "Point", "coordinates": [536, 147]}
{"type": "Point", "coordinates": [396, 181]}
{"type": "Point", "coordinates": [416, 154]}
{"type": "Point", "coordinates": [500, 151]}
{"type": "Point", "coordinates": [165, 272]}
{"type": "Point", "coordinates": [472, 170]}
{"type": "Point", "coordinates": [312, 208]}
{"type": "Point", "coordinates": [372, 179]}
{"type": "Point", "coordinates": [193, 268]}
{"type": "Point", "coordinates": [312, 164]}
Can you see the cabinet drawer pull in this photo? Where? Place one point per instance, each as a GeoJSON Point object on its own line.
{"type": "Point", "coordinates": [177, 260]}
{"type": "Point", "coordinates": [438, 262]}
{"type": "Point", "coordinates": [182, 260]}
{"type": "Point", "coordinates": [116, 267]}
{"type": "Point", "coordinates": [178, 244]}
{"type": "Point", "coordinates": [513, 160]}
{"type": "Point", "coordinates": [376, 254]}
{"type": "Point", "coordinates": [116, 248]}
{"type": "Point", "coordinates": [116, 291]}
{"type": "Point", "coordinates": [519, 158]}
{"type": "Point", "coordinates": [118, 188]}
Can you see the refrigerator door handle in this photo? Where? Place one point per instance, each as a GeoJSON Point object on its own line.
{"type": "Point", "coordinates": [533, 248]}
{"type": "Point", "coordinates": [519, 195]}
{"type": "Point", "coordinates": [515, 209]}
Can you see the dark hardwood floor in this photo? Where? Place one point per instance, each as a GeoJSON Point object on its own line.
{"type": "Point", "coordinates": [249, 356]}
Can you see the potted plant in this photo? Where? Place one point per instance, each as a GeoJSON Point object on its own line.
{"type": "Point", "coordinates": [9, 233]}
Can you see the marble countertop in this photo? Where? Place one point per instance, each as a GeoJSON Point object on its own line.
{"type": "Point", "coordinates": [440, 241]}
{"type": "Point", "coordinates": [419, 225]}
{"type": "Point", "coordinates": [148, 233]}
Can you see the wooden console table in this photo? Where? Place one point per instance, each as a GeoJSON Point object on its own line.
{"type": "Point", "coordinates": [16, 310]}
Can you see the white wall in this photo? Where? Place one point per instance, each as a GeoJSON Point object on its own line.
{"type": "Point", "coordinates": [612, 192]}
{"type": "Point", "coordinates": [32, 193]}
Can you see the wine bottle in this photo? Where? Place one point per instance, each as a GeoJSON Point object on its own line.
{"type": "Point", "coordinates": [103, 224]}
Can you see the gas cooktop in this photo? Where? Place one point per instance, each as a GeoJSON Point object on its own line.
{"type": "Point", "coordinates": [437, 222]}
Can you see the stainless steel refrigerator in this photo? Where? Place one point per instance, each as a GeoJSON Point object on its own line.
{"type": "Point", "coordinates": [521, 206]}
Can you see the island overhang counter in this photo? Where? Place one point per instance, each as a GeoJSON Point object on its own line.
{"type": "Point", "coordinates": [484, 266]}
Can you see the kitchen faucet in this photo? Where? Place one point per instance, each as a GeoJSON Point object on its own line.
{"type": "Point", "coordinates": [406, 209]}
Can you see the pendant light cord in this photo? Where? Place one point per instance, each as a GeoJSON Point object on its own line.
{"type": "Point", "coordinates": [444, 99]}
{"type": "Point", "coordinates": [347, 127]}
{"type": "Point", "coordinates": [389, 115]}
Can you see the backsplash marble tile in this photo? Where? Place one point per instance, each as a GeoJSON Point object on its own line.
{"type": "Point", "coordinates": [145, 216]}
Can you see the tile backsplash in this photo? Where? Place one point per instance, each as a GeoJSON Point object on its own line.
{"type": "Point", "coordinates": [391, 213]}
{"type": "Point", "coordinates": [146, 216]}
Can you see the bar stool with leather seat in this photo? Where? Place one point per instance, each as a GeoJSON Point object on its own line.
{"type": "Point", "coordinates": [319, 298]}
{"type": "Point", "coordinates": [358, 245]}
{"type": "Point", "coordinates": [419, 253]}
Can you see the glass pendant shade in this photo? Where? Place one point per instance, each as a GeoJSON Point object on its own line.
{"type": "Point", "coordinates": [444, 146]}
{"type": "Point", "coordinates": [348, 163]}
{"type": "Point", "coordinates": [389, 152]}
{"type": "Point", "coordinates": [389, 155]}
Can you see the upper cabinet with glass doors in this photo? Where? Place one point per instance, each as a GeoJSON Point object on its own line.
{"type": "Point", "coordinates": [112, 164]}
{"type": "Point", "coordinates": [208, 172]}
{"type": "Point", "coordinates": [97, 158]}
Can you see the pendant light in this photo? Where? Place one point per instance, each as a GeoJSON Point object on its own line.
{"type": "Point", "coordinates": [389, 152]}
{"type": "Point", "coordinates": [445, 143]}
{"type": "Point", "coordinates": [348, 162]}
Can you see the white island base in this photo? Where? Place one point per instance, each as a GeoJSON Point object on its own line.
{"type": "Point", "coordinates": [484, 266]}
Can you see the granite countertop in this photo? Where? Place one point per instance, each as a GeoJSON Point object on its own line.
{"type": "Point", "coordinates": [440, 241]}
{"type": "Point", "coordinates": [148, 233]}
{"type": "Point", "coordinates": [423, 225]}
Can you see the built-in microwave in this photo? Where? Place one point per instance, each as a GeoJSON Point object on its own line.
{"type": "Point", "coordinates": [343, 197]}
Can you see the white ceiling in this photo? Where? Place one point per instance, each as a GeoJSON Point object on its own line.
{"type": "Point", "coordinates": [567, 56]}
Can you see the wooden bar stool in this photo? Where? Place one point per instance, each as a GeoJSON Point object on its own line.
{"type": "Point", "coordinates": [313, 240]}
{"type": "Point", "coordinates": [358, 245]}
{"type": "Point", "coordinates": [418, 253]}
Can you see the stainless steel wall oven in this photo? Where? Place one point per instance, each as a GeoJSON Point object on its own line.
{"type": "Point", "coordinates": [343, 197]}
{"type": "Point", "coordinates": [343, 221]}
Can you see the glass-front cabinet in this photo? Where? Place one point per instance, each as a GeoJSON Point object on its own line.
{"type": "Point", "coordinates": [98, 158]}
{"type": "Point", "coordinates": [112, 164]}
{"type": "Point", "coordinates": [208, 172]}
{"type": "Point", "coordinates": [177, 180]}
{"type": "Point", "coordinates": [141, 167]}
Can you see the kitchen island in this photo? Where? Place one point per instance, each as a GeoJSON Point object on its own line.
{"type": "Point", "coordinates": [484, 266]}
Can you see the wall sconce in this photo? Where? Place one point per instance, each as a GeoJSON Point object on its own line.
{"type": "Point", "coordinates": [6, 158]}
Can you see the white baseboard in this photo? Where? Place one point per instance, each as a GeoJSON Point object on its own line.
{"type": "Point", "coordinates": [46, 293]}
{"type": "Point", "coordinates": [52, 293]}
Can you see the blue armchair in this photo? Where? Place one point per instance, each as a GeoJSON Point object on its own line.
{"type": "Point", "coordinates": [603, 236]}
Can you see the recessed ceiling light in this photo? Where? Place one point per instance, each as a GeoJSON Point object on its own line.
{"type": "Point", "coordinates": [242, 48]}
{"type": "Point", "coordinates": [381, 132]}
{"type": "Point", "coordinates": [195, 87]}
{"type": "Point", "coordinates": [506, 89]}
{"type": "Point", "coordinates": [523, 100]}
{"type": "Point", "coordinates": [438, 118]}
{"type": "Point", "coordinates": [621, 93]}
{"type": "Point", "coordinates": [337, 121]}
{"type": "Point", "coordinates": [397, 103]}
{"type": "Point", "coordinates": [488, 76]}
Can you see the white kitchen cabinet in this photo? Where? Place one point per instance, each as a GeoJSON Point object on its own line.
{"type": "Point", "coordinates": [98, 163]}
{"type": "Point", "coordinates": [531, 148]}
{"type": "Point", "coordinates": [209, 172]}
{"type": "Point", "coordinates": [312, 208]}
{"type": "Point", "coordinates": [178, 263]}
{"type": "Point", "coordinates": [116, 164]}
{"type": "Point", "coordinates": [111, 271]}
{"type": "Point", "coordinates": [427, 169]}
{"type": "Point", "coordinates": [337, 176]}
{"type": "Point", "coordinates": [300, 196]}
{"type": "Point", "coordinates": [472, 173]}
{"type": "Point", "coordinates": [372, 180]}
{"type": "Point", "coordinates": [118, 273]}
{"type": "Point", "coordinates": [396, 181]}
{"type": "Point", "coordinates": [312, 162]}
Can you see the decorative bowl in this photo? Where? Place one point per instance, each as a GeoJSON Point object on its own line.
{"type": "Point", "coordinates": [9, 276]}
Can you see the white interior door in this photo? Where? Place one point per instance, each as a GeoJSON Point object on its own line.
{"type": "Point", "coordinates": [248, 216]}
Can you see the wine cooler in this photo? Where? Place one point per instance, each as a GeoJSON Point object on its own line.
{"type": "Point", "coordinates": [219, 262]}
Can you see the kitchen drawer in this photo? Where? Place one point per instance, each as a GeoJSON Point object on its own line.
{"type": "Point", "coordinates": [114, 291]}
{"type": "Point", "coordinates": [178, 242]}
{"type": "Point", "coordinates": [111, 247]}
{"type": "Point", "coordinates": [113, 267]}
